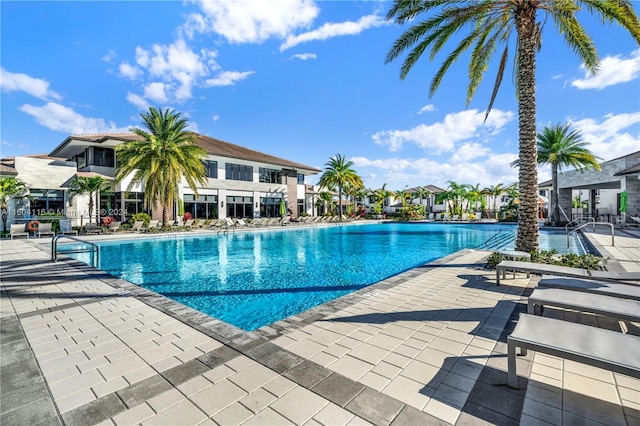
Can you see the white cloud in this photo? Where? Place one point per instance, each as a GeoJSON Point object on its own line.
{"type": "Point", "coordinates": [250, 21]}
{"type": "Point", "coordinates": [303, 56]}
{"type": "Point", "coordinates": [215, 117]}
{"type": "Point", "coordinates": [227, 78]}
{"type": "Point", "coordinates": [469, 151]}
{"type": "Point", "coordinates": [427, 108]}
{"type": "Point", "coordinates": [443, 136]}
{"type": "Point", "coordinates": [138, 101]}
{"type": "Point", "coordinates": [19, 82]}
{"type": "Point", "coordinates": [129, 71]}
{"type": "Point", "coordinates": [156, 92]}
{"type": "Point", "coordinates": [63, 119]}
{"type": "Point", "coordinates": [613, 70]}
{"type": "Point", "coordinates": [334, 29]}
{"type": "Point", "coordinates": [612, 136]}
{"type": "Point", "coordinates": [110, 55]}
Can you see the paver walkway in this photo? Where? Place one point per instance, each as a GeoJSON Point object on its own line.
{"type": "Point", "coordinates": [424, 347]}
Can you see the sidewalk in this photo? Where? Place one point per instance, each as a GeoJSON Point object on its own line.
{"type": "Point", "coordinates": [424, 347]}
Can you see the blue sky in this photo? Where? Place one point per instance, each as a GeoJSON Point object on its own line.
{"type": "Point", "coordinates": [298, 79]}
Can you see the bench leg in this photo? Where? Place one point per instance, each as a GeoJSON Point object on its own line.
{"type": "Point", "coordinates": [497, 276]}
{"type": "Point", "coordinates": [512, 379]}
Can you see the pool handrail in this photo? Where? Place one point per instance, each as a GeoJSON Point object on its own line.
{"type": "Point", "coordinates": [95, 249]}
{"type": "Point", "coordinates": [594, 223]}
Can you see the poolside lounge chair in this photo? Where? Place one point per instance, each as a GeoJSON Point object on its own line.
{"type": "Point", "coordinates": [152, 225]}
{"type": "Point", "coordinates": [92, 228]}
{"type": "Point", "coordinates": [44, 229]}
{"type": "Point", "coordinates": [137, 226]}
{"type": "Point", "coordinates": [66, 228]}
{"type": "Point", "coordinates": [188, 224]}
{"type": "Point", "coordinates": [18, 230]}
{"type": "Point", "coordinates": [115, 226]}
{"type": "Point", "coordinates": [464, 217]}
{"type": "Point", "coordinates": [609, 306]}
{"type": "Point", "coordinates": [565, 271]}
{"type": "Point", "coordinates": [430, 216]}
{"type": "Point", "coordinates": [621, 290]}
{"type": "Point", "coordinates": [593, 346]}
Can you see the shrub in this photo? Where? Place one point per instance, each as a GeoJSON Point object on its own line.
{"type": "Point", "coordinates": [551, 257]}
{"type": "Point", "coordinates": [108, 220]}
{"type": "Point", "coordinates": [187, 216]}
{"type": "Point", "coordinates": [143, 217]}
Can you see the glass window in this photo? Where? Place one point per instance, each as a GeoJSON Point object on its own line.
{"type": "Point", "coordinates": [300, 206]}
{"type": "Point", "coordinates": [203, 207]}
{"type": "Point", "coordinates": [211, 168]}
{"type": "Point", "coordinates": [270, 175]}
{"type": "Point", "coordinates": [103, 157]}
{"type": "Point", "coordinates": [238, 172]}
{"type": "Point", "coordinates": [240, 207]}
{"type": "Point", "coordinates": [81, 160]}
{"type": "Point", "coordinates": [47, 201]}
{"type": "Point", "coordinates": [300, 179]}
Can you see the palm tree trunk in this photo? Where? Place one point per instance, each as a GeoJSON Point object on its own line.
{"type": "Point", "coordinates": [340, 202]}
{"type": "Point", "coordinates": [165, 214]}
{"type": "Point", "coordinates": [528, 36]}
{"type": "Point", "coordinates": [91, 207]}
{"type": "Point", "coordinates": [555, 212]}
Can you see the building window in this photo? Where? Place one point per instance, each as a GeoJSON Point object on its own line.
{"type": "Point", "coordinates": [46, 201]}
{"type": "Point", "coordinates": [300, 206]}
{"type": "Point", "coordinates": [270, 175]}
{"type": "Point", "coordinates": [133, 203]}
{"type": "Point", "coordinates": [211, 168]}
{"type": "Point", "coordinates": [270, 207]}
{"type": "Point", "coordinates": [110, 204]}
{"type": "Point", "coordinates": [240, 207]}
{"type": "Point", "coordinates": [81, 160]}
{"type": "Point", "coordinates": [103, 157]}
{"type": "Point", "coordinates": [203, 207]}
{"type": "Point", "coordinates": [300, 179]}
{"type": "Point", "coordinates": [238, 172]}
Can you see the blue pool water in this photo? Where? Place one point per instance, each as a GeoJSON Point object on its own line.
{"type": "Point", "coordinates": [252, 279]}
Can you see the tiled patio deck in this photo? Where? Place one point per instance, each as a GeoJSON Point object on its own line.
{"type": "Point", "coordinates": [79, 347]}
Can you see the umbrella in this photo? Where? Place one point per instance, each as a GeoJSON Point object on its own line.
{"type": "Point", "coordinates": [623, 201]}
{"type": "Point", "coordinates": [283, 208]}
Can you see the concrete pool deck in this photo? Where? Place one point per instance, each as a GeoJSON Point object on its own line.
{"type": "Point", "coordinates": [79, 347]}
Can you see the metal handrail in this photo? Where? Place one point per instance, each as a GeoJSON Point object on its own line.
{"type": "Point", "coordinates": [95, 249]}
{"type": "Point", "coordinates": [591, 220]}
{"type": "Point", "coordinates": [594, 228]}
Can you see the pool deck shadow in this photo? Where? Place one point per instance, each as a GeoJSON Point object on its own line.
{"type": "Point", "coordinates": [427, 346]}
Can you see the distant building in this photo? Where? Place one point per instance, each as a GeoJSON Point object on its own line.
{"type": "Point", "coordinates": [241, 182]}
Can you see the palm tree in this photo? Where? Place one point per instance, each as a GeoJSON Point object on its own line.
{"type": "Point", "coordinates": [422, 193]}
{"type": "Point", "coordinates": [494, 192]}
{"type": "Point", "coordinates": [10, 188]}
{"type": "Point", "coordinates": [559, 146]}
{"type": "Point", "coordinates": [338, 172]}
{"type": "Point", "coordinates": [474, 196]}
{"type": "Point", "coordinates": [90, 186]}
{"type": "Point", "coordinates": [325, 198]}
{"type": "Point", "coordinates": [402, 195]}
{"type": "Point", "coordinates": [493, 23]}
{"type": "Point", "coordinates": [165, 154]}
{"type": "Point", "coordinates": [381, 195]}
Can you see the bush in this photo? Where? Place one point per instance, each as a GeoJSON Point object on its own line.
{"type": "Point", "coordinates": [551, 257]}
{"type": "Point", "coordinates": [143, 217]}
{"type": "Point", "coordinates": [187, 216]}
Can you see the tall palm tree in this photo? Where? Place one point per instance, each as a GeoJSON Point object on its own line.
{"type": "Point", "coordinates": [559, 146]}
{"type": "Point", "coordinates": [494, 192]}
{"type": "Point", "coordinates": [165, 154]}
{"type": "Point", "coordinates": [422, 193]}
{"type": "Point", "coordinates": [325, 198]}
{"type": "Point", "coordinates": [474, 196]}
{"type": "Point", "coordinates": [10, 188]}
{"type": "Point", "coordinates": [403, 196]}
{"type": "Point", "coordinates": [338, 172]}
{"type": "Point", "coordinates": [496, 22]}
{"type": "Point", "coordinates": [91, 186]}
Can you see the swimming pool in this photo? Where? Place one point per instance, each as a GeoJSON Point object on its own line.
{"type": "Point", "coordinates": [251, 279]}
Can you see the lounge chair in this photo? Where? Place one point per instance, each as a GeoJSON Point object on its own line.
{"type": "Point", "coordinates": [565, 271]}
{"type": "Point", "coordinates": [92, 228]}
{"type": "Point", "coordinates": [241, 223]}
{"type": "Point", "coordinates": [65, 227]}
{"type": "Point", "coordinates": [621, 290]}
{"type": "Point", "coordinates": [45, 229]}
{"type": "Point", "coordinates": [609, 306]}
{"type": "Point", "coordinates": [188, 224]}
{"type": "Point", "coordinates": [593, 346]}
{"type": "Point", "coordinates": [115, 226]}
{"type": "Point", "coordinates": [464, 217]}
{"type": "Point", "coordinates": [152, 225]}
{"type": "Point", "coordinates": [431, 216]}
{"type": "Point", "coordinates": [18, 230]}
{"type": "Point", "coordinates": [137, 226]}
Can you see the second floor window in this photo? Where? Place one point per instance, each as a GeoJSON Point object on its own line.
{"type": "Point", "coordinates": [103, 157]}
{"type": "Point", "coordinates": [270, 175]}
{"type": "Point", "coordinates": [211, 168]}
{"type": "Point", "coordinates": [300, 179]}
{"type": "Point", "coordinates": [238, 172]}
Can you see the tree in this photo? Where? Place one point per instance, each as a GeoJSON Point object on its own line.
{"type": "Point", "coordinates": [90, 186]}
{"type": "Point", "coordinates": [493, 23]}
{"type": "Point", "coordinates": [381, 196]}
{"type": "Point", "coordinates": [159, 161]}
{"type": "Point", "coordinates": [338, 172]}
{"type": "Point", "coordinates": [402, 195]}
{"type": "Point", "coordinates": [494, 192]}
{"type": "Point", "coordinates": [560, 146]}
{"type": "Point", "coordinates": [422, 193]}
{"type": "Point", "coordinates": [10, 188]}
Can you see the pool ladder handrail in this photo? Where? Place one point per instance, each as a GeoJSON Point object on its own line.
{"type": "Point", "coordinates": [593, 223]}
{"type": "Point", "coordinates": [94, 250]}
{"type": "Point", "coordinates": [497, 240]}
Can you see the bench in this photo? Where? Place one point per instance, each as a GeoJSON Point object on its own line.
{"type": "Point", "coordinates": [593, 346]}
{"type": "Point", "coordinates": [624, 309]}
{"type": "Point", "coordinates": [621, 290]}
{"type": "Point", "coordinates": [566, 271]}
